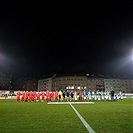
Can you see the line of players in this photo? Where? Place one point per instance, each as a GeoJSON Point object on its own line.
{"type": "Point", "coordinates": [104, 95]}
{"type": "Point", "coordinates": [68, 95]}
{"type": "Point", "coordinates": [36, 96]}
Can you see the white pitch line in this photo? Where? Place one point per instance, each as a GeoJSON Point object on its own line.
{"type": "Point", "coordinates": [88, 127]}
{"type": "Point", "coordinates": [70, 102]}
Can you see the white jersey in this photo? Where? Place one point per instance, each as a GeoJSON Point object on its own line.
{"type": "Point", "coordinates": [75, 96]}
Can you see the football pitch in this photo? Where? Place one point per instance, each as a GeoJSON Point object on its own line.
{"type": "Point", "coordinates": [103, 117]}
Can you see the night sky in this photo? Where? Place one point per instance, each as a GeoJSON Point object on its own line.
{"type": "Point", "coordinates": [39, 38]}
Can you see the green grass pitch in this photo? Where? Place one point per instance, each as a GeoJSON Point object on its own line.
{"type": "Point", "coordinates": [103, 117]}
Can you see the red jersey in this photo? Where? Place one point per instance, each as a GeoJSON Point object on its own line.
{"type": "Point", "coordinates": [34, 95]}
{"type": "Point", "coordinates": [18, 96]}
{"type": "Point", "coordinates": [56, 95]}
{"type": "Point", "coordinates": [52, 95]}
{"type": "Point", "coordinates": [38, 96]}
{"type": "Point", "coordinates": [26, 96]}
{"type": "Point", "coordinates": [18, 93]}
{"type": "Point", "coordinates": [42, 95]}
{"type": "Point", "coordinates": [30, 95]}
{"type": "Point", "coordinates": [47, 95]}
{"type": "Point", "coordinates": [22, 98]}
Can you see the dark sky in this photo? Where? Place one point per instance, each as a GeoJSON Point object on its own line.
{"type": "Point", "coordinates": [39, 38]}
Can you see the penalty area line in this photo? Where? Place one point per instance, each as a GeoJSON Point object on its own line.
{"type": "Point", "coordinates": [88, 127]}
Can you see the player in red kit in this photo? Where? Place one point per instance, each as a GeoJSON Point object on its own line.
{"type": "Point", "coordinates": [34, 95]}
{"type": "Point", "coordinates": [23, 96]}
{"type": "Point", "coordinates": [38, 96]}
{"type": "Point", "coordinates": [52, 96]}
{"type": "Point", "coordinates": [47, 95]}
{"type": "Point", "coordinates": [30, 96]}
{"type": "Point", "coordinates": [26, 96]}
{"type": "Point", "coordinates": [18, 96]}
{"type": "Point", "coordinates": [56, 96]}
{"type": "Point", "coordinates": [43, 96]}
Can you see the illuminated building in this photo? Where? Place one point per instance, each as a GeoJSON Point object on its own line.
{"type": "Point", "coordinates": [87, 82]}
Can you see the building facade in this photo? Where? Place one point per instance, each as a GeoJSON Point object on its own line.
{"type": "Point", "coordinates": [80, 82]}
{"type": "Point", "coordinates": [127, 85]}
{"type": "Point", "coordinates": [69, 82]}
{"type": "Point", "coordinates": [112, 84]}
{"type": "Point", "coordinates": [95, 84]}
{"type": "Point", "coordinates": [45, 84]}
{"type": "Point", "coordinates": [63, 82]}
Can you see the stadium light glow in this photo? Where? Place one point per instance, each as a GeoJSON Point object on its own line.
{"type": "Point", "coordinates": [132, 54]}
{"type": "Point", "coordinates": [127, 59]}
{"type": "Point", "coordinates": [5, 60]}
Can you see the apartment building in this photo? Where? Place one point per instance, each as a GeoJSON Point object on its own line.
{"type": "Point", "coordinates": [80, 82]}
{"type": "Point", "coordinates": [127, 85]}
